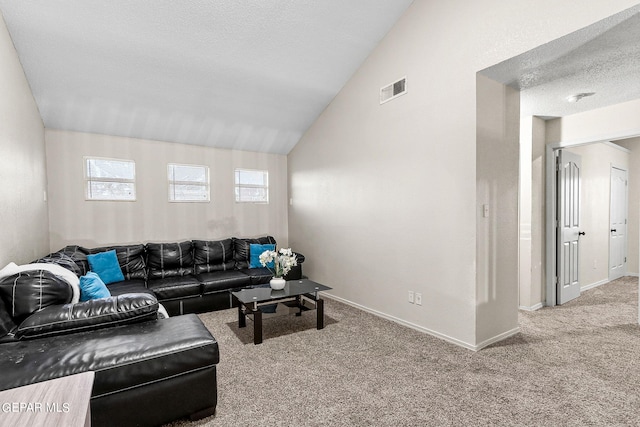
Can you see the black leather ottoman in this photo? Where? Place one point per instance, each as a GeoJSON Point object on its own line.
{"type": "Point", "coordinates": [146, 374]}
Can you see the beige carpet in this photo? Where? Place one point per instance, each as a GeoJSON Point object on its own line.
{"type": "Point", "coordinates": [574, 365]}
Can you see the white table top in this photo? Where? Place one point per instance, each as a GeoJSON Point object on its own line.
{"type": "Point", "coordinates": [62, 402]}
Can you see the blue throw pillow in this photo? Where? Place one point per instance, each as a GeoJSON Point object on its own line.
{"type": "Point", "coordinates": [92, 287]}
{"type": "Point", "coordinates": [106, 265]}
{"type": "Point", "coordinates": [255, 251]}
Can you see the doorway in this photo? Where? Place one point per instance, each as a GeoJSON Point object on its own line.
{"type": "Point", "coordinates": [618, 223]}
{"type": "Point", "coordinates": [606, 168]}
{"type": "Point", "coordinates": [556, 82]}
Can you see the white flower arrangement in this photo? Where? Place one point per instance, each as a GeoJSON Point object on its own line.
{"type": "Point", "coordinates": [283, 261]}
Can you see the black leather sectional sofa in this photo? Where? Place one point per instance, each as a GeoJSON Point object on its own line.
{"type": "Point", "coordinates": [148, 370]}
{"type": "Point", "coordinates": [186, 277]}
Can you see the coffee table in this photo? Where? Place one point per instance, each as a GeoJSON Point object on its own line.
{"type": "Point", "coordinates": [295, 291]}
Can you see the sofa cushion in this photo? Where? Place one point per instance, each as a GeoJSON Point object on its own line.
{"type": "Point", "coordinates": [135, 286]}
{"type": "Point", "coordinates": [106, 265]}
{"type": "Point", "coordinates": [241, 249]}
{"type": "Point", "coordinates": [223, 280]}
{"type": "Point", "coordinates": [6, 323]}
{"type": "Point", "coordinates": [57, 270]}
{"type": "Point", "coordinates": [213, 255]}
{"type": "Point", "coordinates": [132, 263]}
{"type": "Point", "coordinates": [258, 276]}
{"type": "Point", "coordinates": [175, 287]}
{"type": "Point", "coordinates": [88, 315]}
{"type": "Point", "coordinates": [25, 292]}
{"type": "Point", "coordinates": [169, 259]}
{"type": "Point", "coordinates": [92, 287]}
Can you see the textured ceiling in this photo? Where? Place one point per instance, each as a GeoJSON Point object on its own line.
{"type": "Point", "coordinates": [603, 58]}
{"type": "Point", "coordinates": [250, 75]}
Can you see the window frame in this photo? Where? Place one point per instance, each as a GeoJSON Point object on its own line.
{"type": "Point", "coordinates": [207, 184]}
{"type": "Point", "coordinates": [88, 179]}
{"type": "Point", "coordinates": [237, 186]}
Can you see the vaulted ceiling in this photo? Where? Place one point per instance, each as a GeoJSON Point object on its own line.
{"type": "Point", "coordinates": [239, 74]}
{"type": "Point", "coordinates": [255, 74]}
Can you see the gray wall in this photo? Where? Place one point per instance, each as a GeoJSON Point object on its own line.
{"type": "Point", "coordinates": [24, 222]}
{"type": "Point", "coordinates": [152, 217]}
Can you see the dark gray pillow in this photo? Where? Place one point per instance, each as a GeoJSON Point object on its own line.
{"type": "Point", "coordinates": [62, 260]}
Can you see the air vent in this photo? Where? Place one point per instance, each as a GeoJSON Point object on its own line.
{"type": "Point", "coordinates": [393, 90]}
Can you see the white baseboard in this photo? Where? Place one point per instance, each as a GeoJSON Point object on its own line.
{"type": "Point", "coordinates": [603, 282]}
{"type": "Point", "coordinates": [497, 338]}
{"type": "Point", "coordinates": [534, 307]}
{"type": "Point", "coordinates": [593, 285]}
{"type": "Point", "coordinates": [422, 328]}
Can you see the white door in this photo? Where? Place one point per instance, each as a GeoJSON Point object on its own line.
{"type": "Point", "coordinates": [568, 253]}
{"type": "Point", "coordinates": [618, 224]}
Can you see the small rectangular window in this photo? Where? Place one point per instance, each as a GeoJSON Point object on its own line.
{"type": "Point", "coordinates": [109, 179]}
{"type": "Point", "coordinates": [252, 186]}
{"type": "Point", "coordinates": [188, 183]}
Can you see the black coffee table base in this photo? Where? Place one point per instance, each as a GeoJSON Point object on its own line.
{"type": "Point", "coordinates": [252, 307]}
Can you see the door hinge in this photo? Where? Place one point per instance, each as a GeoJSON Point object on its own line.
{"type": "Point", "coordinates": [625, 259]}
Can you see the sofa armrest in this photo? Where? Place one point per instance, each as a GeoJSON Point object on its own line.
{"type": "Point", "coordinates": [299, 257]}
{"type": "Point", "coordinates": [92, 314]}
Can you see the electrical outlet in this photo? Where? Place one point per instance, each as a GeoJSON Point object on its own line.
{"type": "Point", "coordinates": [411, 297]}
{"type": "Point", "coordinates": [418, 298]}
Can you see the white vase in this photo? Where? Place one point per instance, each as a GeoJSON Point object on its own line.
{"type": "Point", "coordinates": [277, 283]}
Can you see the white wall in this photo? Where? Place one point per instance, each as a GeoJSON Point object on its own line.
{"type": "Point", "coordinates": [538, 218]}
{"type": "Point", "coordinates": [595, 195]}
{"type": "Point", "coordinates": [384, 196]}
{"type": "Point", "coordinates": [532, 213]}
{"type": "Point", "coordinates": [74, 220]}
{"type": "Point", "coordinates": [600, 124]}
{"type": "Point", "coordinates": [497, 154]}
{"type": "Point", "coordinates": [23, 211]}
{"type": "Point", "coordinates": [633, 229]}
